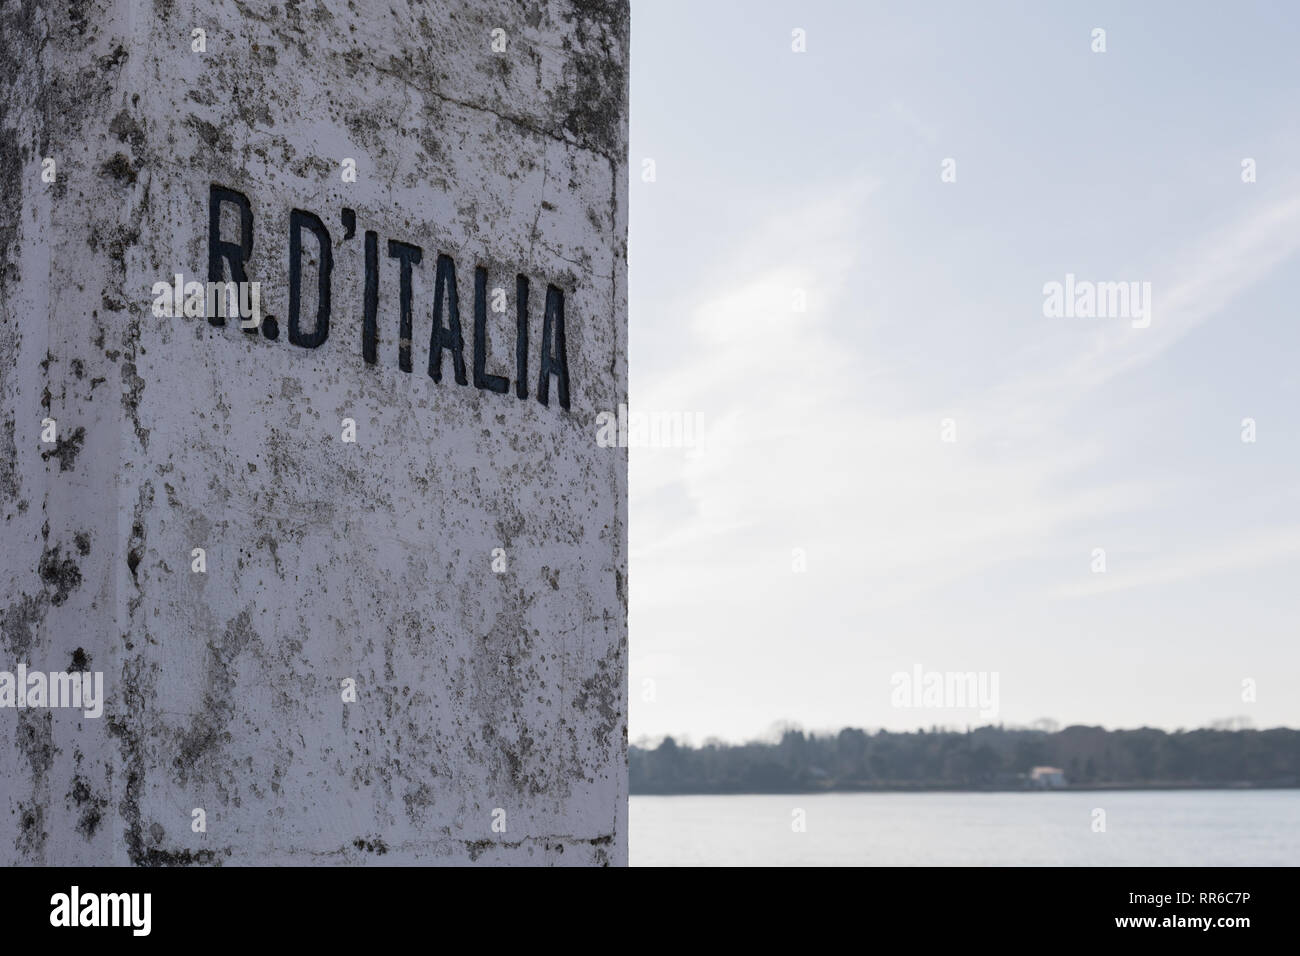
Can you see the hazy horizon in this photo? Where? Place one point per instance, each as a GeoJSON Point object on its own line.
{"type": "Point", "coordinates": [773, 732]}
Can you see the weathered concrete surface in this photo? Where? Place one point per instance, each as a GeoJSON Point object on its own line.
{"type": "Point", "coordinates": [326, 560]}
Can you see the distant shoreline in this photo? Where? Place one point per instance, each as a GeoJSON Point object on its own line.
{"type": "Point", "coordinates": [902, 788]}
{"type": "Point", "coordinates": [981, 760]}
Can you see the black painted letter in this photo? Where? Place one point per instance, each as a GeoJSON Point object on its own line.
{"type": "Point", "coordinates": [369, 325]}
{"type": "Point", "coordinates": [235, 253]}
{"type": "Point", "coordinates": [297, 220]}
{"type": "Point", "coordinates": [493, 383]}
{"type": "Point", "coordinates": [408, 256]}
{"type": "Point", "coordinates": [446, 337]}
{"type": "Point", "coordinates": [557, 364]}
{"type": "Point", "coordinates": [521, 336]}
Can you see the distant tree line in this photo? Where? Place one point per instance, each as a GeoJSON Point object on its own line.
{"type": "Point", "coordinates": [986, 758]}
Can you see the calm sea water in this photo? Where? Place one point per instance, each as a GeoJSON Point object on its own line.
{"type": "Point", "coordinates": [1143, 828]}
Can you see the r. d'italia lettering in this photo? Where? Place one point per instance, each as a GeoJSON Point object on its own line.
{"type": "Point", "coordinates": [411, 324]}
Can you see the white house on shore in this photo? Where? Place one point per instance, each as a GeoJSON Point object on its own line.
{"type": "Point", "coordinates": [1047, 778]}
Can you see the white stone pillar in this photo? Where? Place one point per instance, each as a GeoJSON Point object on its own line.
{"type": "Point", "coordinates": [459, 567]}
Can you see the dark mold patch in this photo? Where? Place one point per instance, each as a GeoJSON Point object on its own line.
{"type": "Point", "coordinates": [120, 168]}
{"type": "Point", "coordinates": [110, 61]}
{"type": "Point", "coordinates": [36, 741]}
{"type": "Point", "coordinates": [11, 174]}
{"type": "Point", "coordinates": [125, 729]}
{"type": "Point", "coordinates": [66, 449]}
{"type": "Point", "coordinates": [603, 693]}
{"type": "Point", "coordinates": [35, 738]}
{"type": "Point", "coordinates": [135, 545]}
{"type": "Point", "coordinates": [153, 856]}
{"type": "Point", "coordinates": [207, 729]}
{"type": "Point", "coordinates": [377, 845]}
{"type": "Point", "coordinates": [417, 802]}
{"type": "Point", "coordinates": [593, 103]}
{"type": "Point", "coordinates": [135, 551]}
{"type": "Point", "coordinates": [127, 130]}
{"type": "Point", "coordinates": [133, 387]}
{"type": "Point", "coordinates": [8, 449]}
{"type": "Point", "coordinates": [18, 622]}
{"type": "Point", "coordinates": [59, 573]}
{"type": "Point", "coordinates": [90, 804]}
{"type": "Point", "coordinates": [209, 134]}
{"type": "Point", "coordinates": [31, 830]}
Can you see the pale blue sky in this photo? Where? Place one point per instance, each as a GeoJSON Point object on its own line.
{"type": "Point", "coordinates": [821, 171]}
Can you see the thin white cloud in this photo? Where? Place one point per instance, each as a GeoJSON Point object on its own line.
{"type": "Point", "coordinates": [1196, 285]}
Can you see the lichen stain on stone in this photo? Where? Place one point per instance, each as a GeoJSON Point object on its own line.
{"type": "Point", "coordinates": [207, 729]}
{"type": "Point", "coordinates": [376, 845]}
{"type": "Point", "coordinates": [11, 174]}
{"type": "Point", "coordinates": [127, 130]}
{"type": "Point", "coordinates": [135, 545]}
{"type": "Point", "coordinates": [35, 738]}
{"type": "Point", "coordinates": [66, 448]}
{"type": "Point", "coordinates": [9, 488]}
{"type": "Point", "coordinates": [31, 831]}
{"type": "Point", "coordinates": [59, 573]}
{"type": "Point", "coordinates": [36, 741]}
{"type": "Point", "coordinates": [592, 104]}
{"type": "Point", "coordinates": [119, 167]}
{"type": "Point", "coordinates": [215, 138]}
{"type": "Point", "coordinates": [603, 693]}
{"type": "Point", "coordinates": [18, 622]}
{"type": "Point", "coordinates": [89, 805]}
{"type": "Point", "coordinates": [271, 544]}
{"type": "Point", "coordinates": [134, 387]}
{"type": "Point", "coordinates": [418, 801]}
